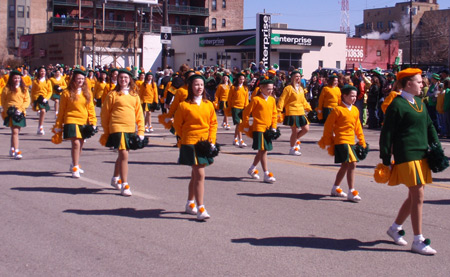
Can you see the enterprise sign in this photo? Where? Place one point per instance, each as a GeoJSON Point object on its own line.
{"type": "Point", "coordinates": [286, 39]}
{"type": "Point", "coordinates": [263, 39]}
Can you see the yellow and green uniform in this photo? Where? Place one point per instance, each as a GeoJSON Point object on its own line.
{"type": "Point", "coordinates": [264, 113]}
{"type": "Point", "coordinates": [77, 112]}
{"type": "Point", "coordinates": [27, 80]}
{"type": "Point", "coordinates": [238, 97]}
{"type": "Point", "coordinates": [91, 83]}
{"type": "Point", "coordinates": [293, 101]}
{"type": "Point", "coordinates": [180, 95]}
{"type": "Point", "coordinates": [139, 84]}
{"type": "Point", "coordinates": [221, 97]}
{"type": "Point", "coordinates": [121, 113]}
{"type": "Point", "coordinates": [329, 98]}
{"type": "Point", "coordinates": [193, 122]}
{"type": "Point", "coordinates": [18, 99]}
{"type": "Point", "coordinates": [99, 89]}
{"type": "Point", "coordinates": [339, 132]}
{"type": "Point", "coordinates": [406, 134]}
{"type": "Point", "coordinates": [148, 94]}
{"type": "Point", "coordinates": [109, 87]}
{"type": "Point", "coordinates": [61, 83]}
{"type": "Point", "coordinates": [43, 88]}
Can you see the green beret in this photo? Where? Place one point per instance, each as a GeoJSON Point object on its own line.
{"type": "Point", "coordinates": [111, 71]}
{"type": "Point", "coordinates": [347, 88]}
{"type": "Point", "coordinates": [295, 72]}
{"type": "Point", "coordinates": [126, 71]}
{"type": "Point", "coordinates": [332, 76]}
{"type": "Point", "coordinates": [80, 71]}
{"type": "Point", "coordinates": [264, 81]}
{"type": "Point", "coordinates": [187, 73]}
{"type": "Point", "coordinates": [196, 76]}
{"type": "Point", "coordinates": [148, 73]}
{"type": "Point", "coordinates": [15, 72]}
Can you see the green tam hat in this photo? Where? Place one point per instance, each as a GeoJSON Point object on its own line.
{"type": "Point", "coordinates": [196, 76]}
{"type": "Point", "coordinates": [80, 71]}
{"type": "Point", "coordinates": [15, 72]}
{"type": "Point", "coordinates": [347, 88]}
{"type": "Point", "coordinates": [295, 72]}
{"type": "Point", "coordinates": [126, 71]}
{"type": "Point", "coordinates": [266, 81]}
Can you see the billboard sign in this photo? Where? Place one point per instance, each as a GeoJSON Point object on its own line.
{"type": "Point", "coordinates": [263, 38]}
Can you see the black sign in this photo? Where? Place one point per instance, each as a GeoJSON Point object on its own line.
{"type": "Point", "coordinates": [263, 39]}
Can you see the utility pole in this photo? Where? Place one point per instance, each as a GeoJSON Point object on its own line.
{"type": "Point", "coordinates": [79, 61]}
{"type": "Point", "coordinates": [165, 23]}
{"type": "Point", "coordinates": [410, 32]}
{"type": "Point", "coordinates": [94, 31]}
{"type": "Point", "coordinates": [135, 38]}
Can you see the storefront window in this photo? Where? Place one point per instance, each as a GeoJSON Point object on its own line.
{"type": "Point", "coordinates": [290, 59]}
{"type": "Point", "coordinates": [223, 58]}
{"type": "Point", "coordinates": [247, 58]}
{"type": "Point", "coordinates": [199, 59]}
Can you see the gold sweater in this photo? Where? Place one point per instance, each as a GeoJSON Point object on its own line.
{"type": "Point", "coordinates": [193, 122]}
{"type": "Point", "coordinates": [77, 112]}
{"type": "Point", "coordinates": [264, 113]}
{"type": "Point", "coordinates": [149, 93]}
{"type": "Point", "coordinates": [121, 113]}
{"type": "Point", "coordinates": [17, 99]}
{"type": "Point", "coordinates": [293, 101]}
{"type": "Point", "coordinates": [44, 88]}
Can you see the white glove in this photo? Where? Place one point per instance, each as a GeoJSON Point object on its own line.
{"type": "Point", "coordinates": [167, 120]}
{"type": "Point", "coordinates": [141, 137]}
{"type": "Point", "coordinates": [213, 146]}
{"type": "Point", "coordinates": [274, 129]}
{"type": "Point", "coordinates": [18, 112]}
{"type": "Point", "coordinates": [57, 130]}
{"type": "Point", "coordinates": [246, 130]}
{"type": "Point", "coordinates": [44, 101]}
{"type": "Point", "coordinates": [95, 128]}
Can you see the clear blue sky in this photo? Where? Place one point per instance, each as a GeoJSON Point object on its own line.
{"type": "Point", "coordinates": [323, 15]}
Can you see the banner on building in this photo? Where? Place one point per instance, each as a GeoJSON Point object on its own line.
{"type": "Point", "coordinates": [26, 46]}
{"type": "Point", "coordinates": [263, 38]}
{"type": "Point", "coordinates": [288, 39]}
{"type": "Point", "coordinates": [237, 40]}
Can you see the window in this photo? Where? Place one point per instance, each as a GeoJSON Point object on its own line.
{"type": "Point", "coordinates": [27, 31]}
{"type": "Point", "coordinates": [11, 32]}
{"type": "Point", "coordinates": [247, 58]}
{"type": "Point", "coordinates": [223, 58]}
{"type": "Point", "coordinates": [20, 31]}
{"type": "Point", "coordinates": [369, 26]}
{"type": "Point", "coordinates": [380, 25]}
{"type": "Point", "coordinates": [338, 64]}
{"type": "Point", "coordinates": [320, 64]}
{"type": "Point", "coordinates": [28, 11]}
{"type": "Point", "coordinates": [378, 53]}
{"type": "Point", "coordinates": [214, 5]}
{"type": "Point", "coordinates": [21, 11]}
{"type": "Point", "coordinates": [287, 60]}
{"type": "Point", "coordinates": [12, 12]}
{"type": "Point", "coordinates": [224, 4]}
{"type": "Point", "coordinates": [224, 23]}
{"type": "Point", "coordinates": [177, 20]}
{"type": "Point", "coordinates": [177, 3]}
{"type": "Point", "coordinates": [199, 59]}
{"type": "Point", "coordinates": [213, 24]}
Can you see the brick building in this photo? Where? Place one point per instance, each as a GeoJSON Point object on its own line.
{"type": "Point", "coordinates": [114, 20]}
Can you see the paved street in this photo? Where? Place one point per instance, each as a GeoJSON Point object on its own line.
{"type": "Point", "coordinates": [53, 225]}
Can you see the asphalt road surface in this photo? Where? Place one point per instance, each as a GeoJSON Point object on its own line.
{"type": "Point", "coordinates": [53, 225]}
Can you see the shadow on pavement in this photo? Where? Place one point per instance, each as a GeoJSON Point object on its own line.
{"type": "Point", "coordinates": [319, 243]}
{"type": "Point", "coordinates": [73, 191]}
{"type": "Point", "coordinates": [441, 179]}
{"type": "Point", "coordinates": [212, 178]}
{"type": "Point", "coordinates": [301, 196]}
{"type": "Point", "coordinates": [438, 202]}
{"type": "Point", "coordinates": [131, 212]}
{"type": "Point", "coordinates": [338, 165]}
{"type": "Point", "coordinates": [144, 163]}
{"type": "Point", "coordinates": [31, 173]}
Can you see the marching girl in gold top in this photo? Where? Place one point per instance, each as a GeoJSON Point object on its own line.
{"type": "Point", "coordinates": [76, 118]}
{"type": "Point", "coordinates": [15, 100]}
{"type": "Point", "coordinates": [58, 85]}
{"type": "Point", "coordinates": [91, 80]}
{"type": "Point", "coordinates": [149, 99]}
{"type": "Point", "coordinates": [330, 97]}
{"type": "Point", "coordinates": [41, 91]}
{"type": "Point", "coordinates": [140, 80]}
{"type": "Point", "coordinates": [99, 88]}
{"type": "Point", "coordinates": [112, 82]}
{"type": "Point", "coordinates": [237, 101]}
{"type": "Point", "coordinates": [339, 135]}
{"type": "Point", "coordinates": [264, 111]}
{"type": "Point", "coordinates": [223, 89]}
{"type": "Point", "coordinates": [121, 113]}
{"type": "Point", "coordinates": [195, 122]}
{"type": "Point", "coordinates": [294, 102]}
